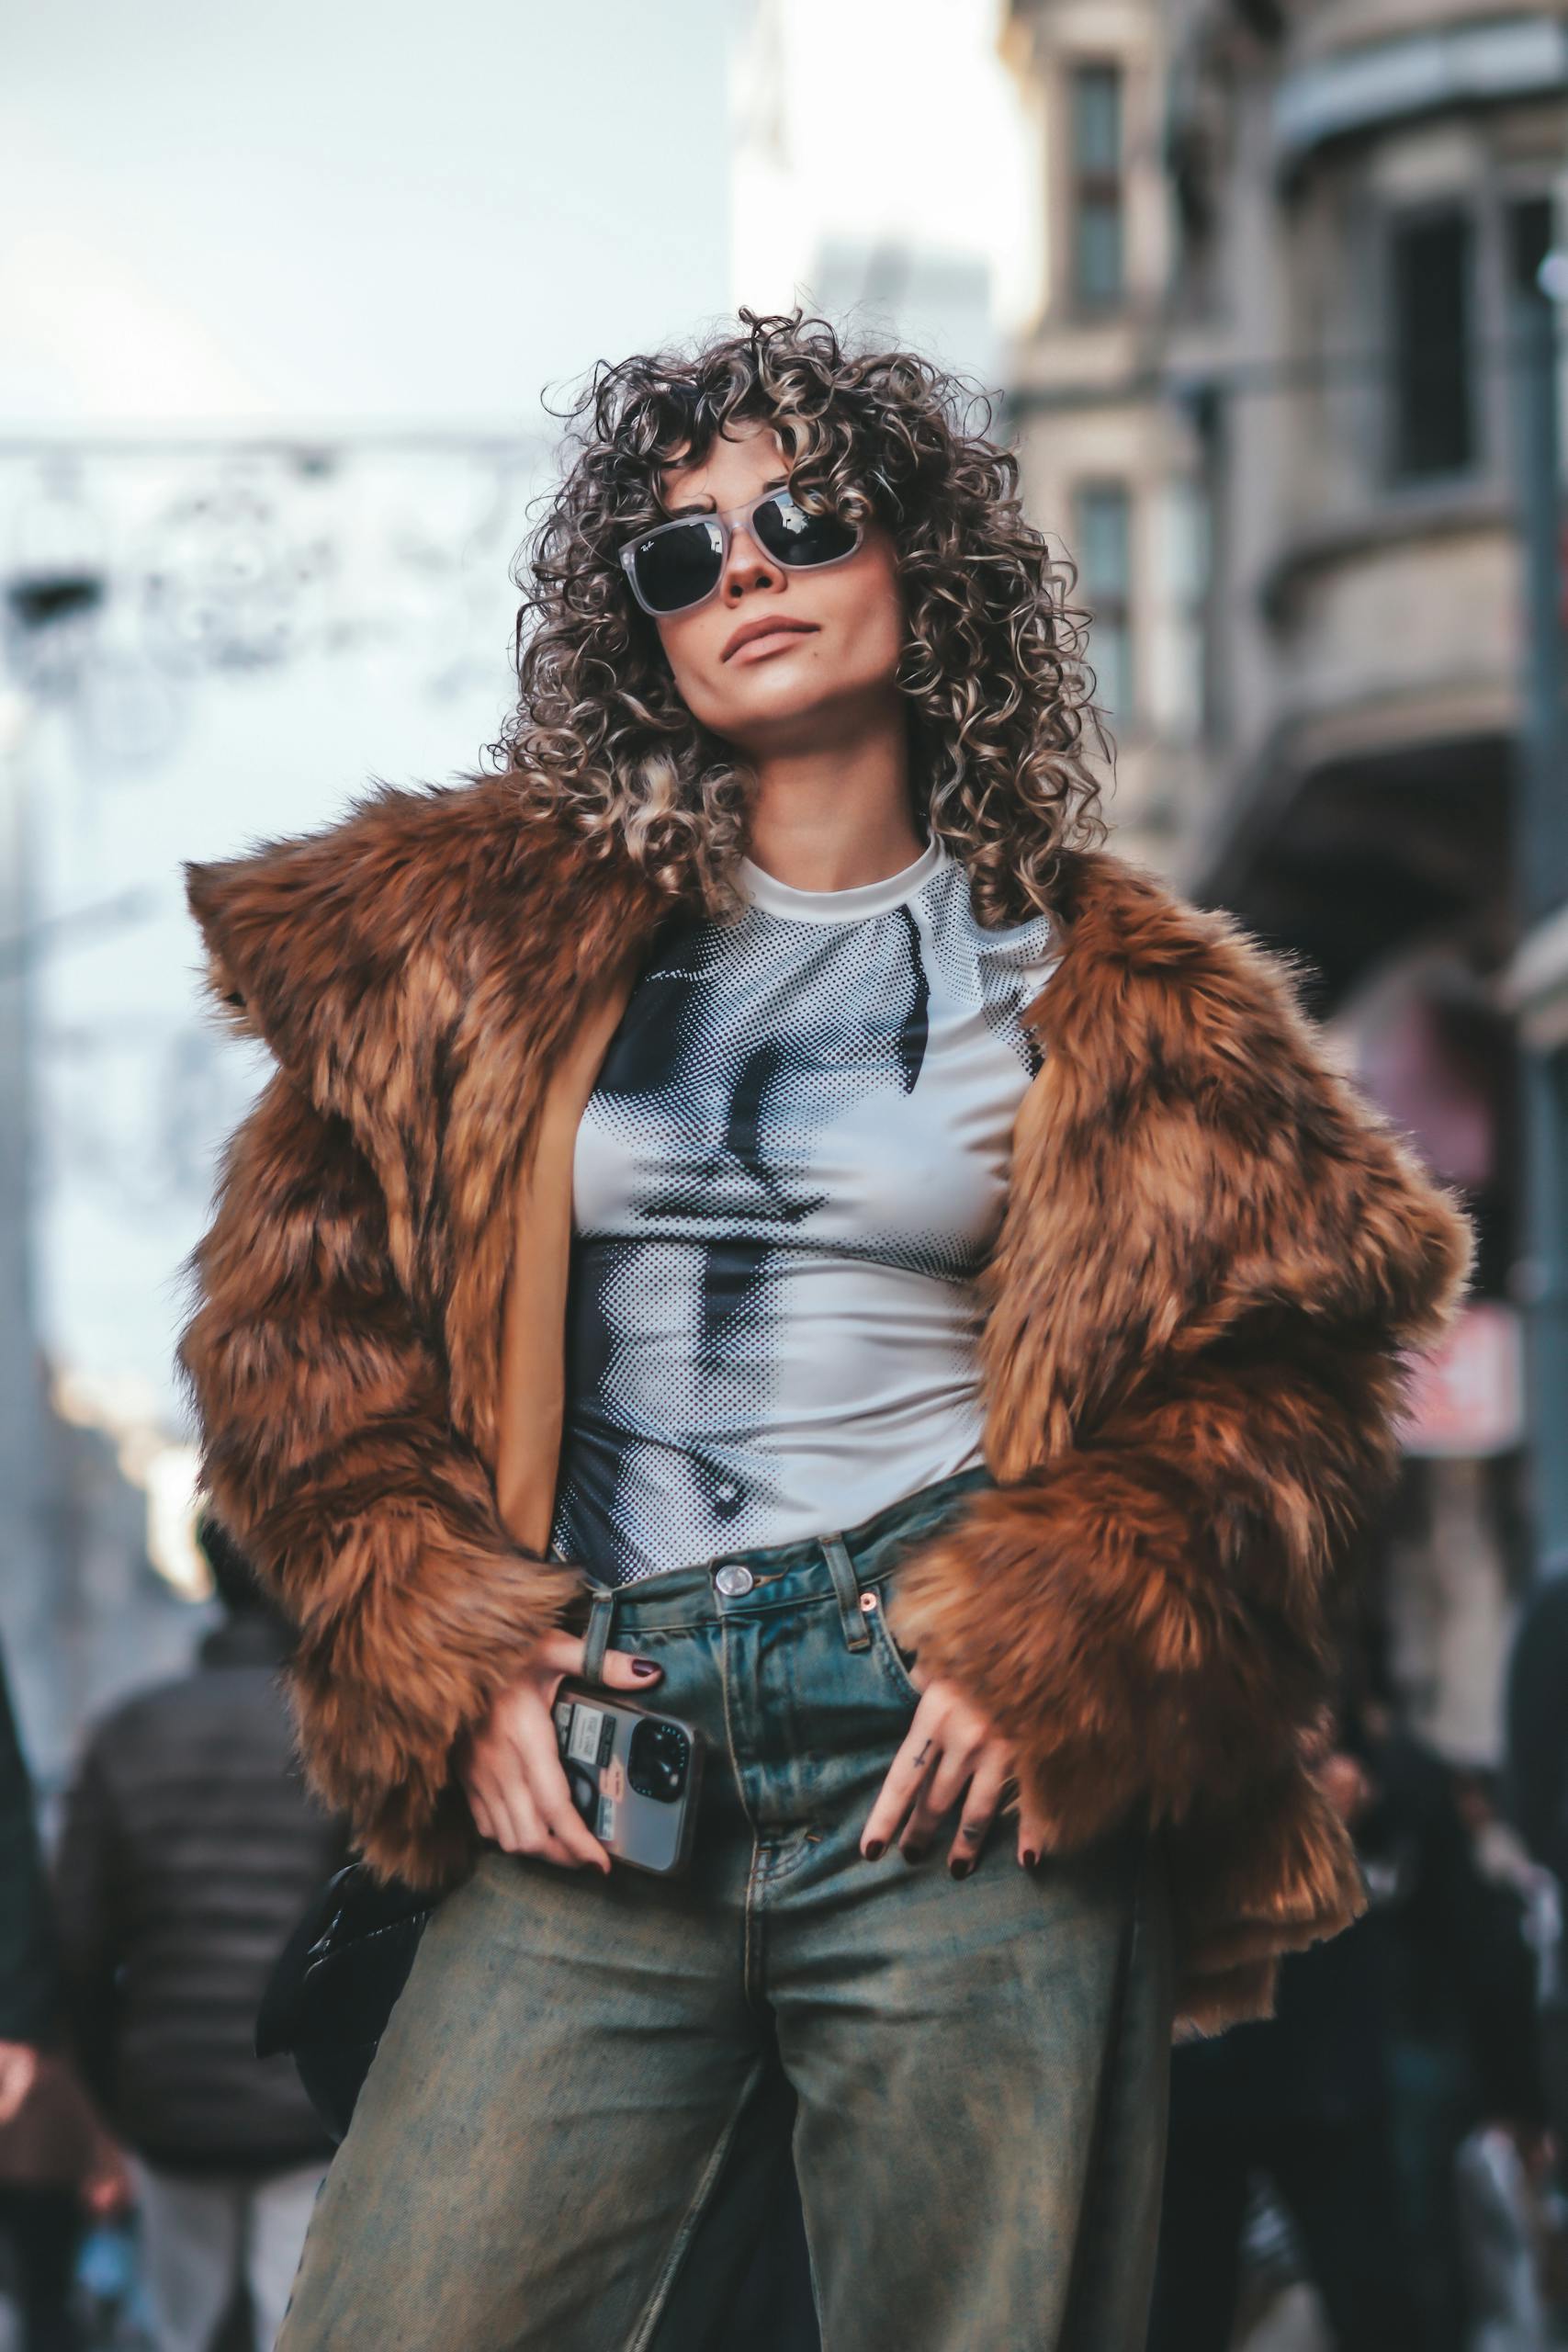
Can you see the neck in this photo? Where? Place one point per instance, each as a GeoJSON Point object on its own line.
{"type": "Point", "coordinates": [831, 818]}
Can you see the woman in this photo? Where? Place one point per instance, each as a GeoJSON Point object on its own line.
{"type": "Point", "coordinates": [755, 1206]}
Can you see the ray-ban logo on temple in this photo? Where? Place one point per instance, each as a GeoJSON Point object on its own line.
{"type": "Point", "coordinates": [678, 565]}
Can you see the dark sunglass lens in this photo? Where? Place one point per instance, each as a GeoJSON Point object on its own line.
{"type": "Point", "coordinates": [675, 568]}
{"type": "Point", "coordinates": [795, 537]}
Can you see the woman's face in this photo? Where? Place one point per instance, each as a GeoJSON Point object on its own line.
{"type": "Point", "coordinates": [828, 659]}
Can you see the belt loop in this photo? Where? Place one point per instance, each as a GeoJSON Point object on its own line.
{"type": "Point", "coordinates": [846, 1588]}
{"type": "Point", "coordinates": [601, 1625]}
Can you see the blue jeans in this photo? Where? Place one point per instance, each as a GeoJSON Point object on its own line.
{"type": "Point", "coordinates": [980, 2064]}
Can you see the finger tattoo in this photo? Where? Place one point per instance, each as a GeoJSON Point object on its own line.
{"type": "Point", "coordinates": [923, 1754]}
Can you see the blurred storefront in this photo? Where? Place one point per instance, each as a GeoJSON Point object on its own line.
{"type": "Point", "coordinates": [1358, 195]}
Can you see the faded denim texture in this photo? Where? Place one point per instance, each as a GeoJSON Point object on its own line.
{"type": "Point", "coordinates": [980, 2064]}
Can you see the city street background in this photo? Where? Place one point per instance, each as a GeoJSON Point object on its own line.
{"type": "Point", "coordinates": [1268, 296]}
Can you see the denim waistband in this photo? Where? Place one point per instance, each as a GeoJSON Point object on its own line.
{"type": "Point", "coordinates": [842, 1562]}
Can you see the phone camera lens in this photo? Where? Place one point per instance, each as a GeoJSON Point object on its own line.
{"type": "Point", "coordinates": [658, 1761]}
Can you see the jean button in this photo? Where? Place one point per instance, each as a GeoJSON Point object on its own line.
{"type": "Point", "coordinates": [733, 1579]}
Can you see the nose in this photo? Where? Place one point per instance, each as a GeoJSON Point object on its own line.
{"type": "Point", "coordinates": [748, 566]}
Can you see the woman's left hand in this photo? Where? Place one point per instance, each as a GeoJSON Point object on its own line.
{"type": "Point", "coordinates": [951, 1750]}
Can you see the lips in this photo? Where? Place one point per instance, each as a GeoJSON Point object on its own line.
{"type": "Point", "coordinates": [775, 625]}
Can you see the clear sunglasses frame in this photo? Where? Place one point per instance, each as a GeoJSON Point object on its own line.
{"type": "Point", "coordinates": [722, 529]}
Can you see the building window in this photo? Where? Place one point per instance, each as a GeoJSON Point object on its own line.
{"type": "Point", "coordinates": [1433, 395]}
{"type": "Point", "coordinates": [1098, 260]}
{"type": "Point", "coordinates": [1529, 234]}
{"type": "Point", "coordinates": [1103, 539]}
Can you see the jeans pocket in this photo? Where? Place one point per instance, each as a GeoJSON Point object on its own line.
{"type": "Point", "coordinates": [896, 1662]}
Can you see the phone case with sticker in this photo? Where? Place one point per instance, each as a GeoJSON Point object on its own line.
{"type": "Point", "coordinates": [634, 1776]}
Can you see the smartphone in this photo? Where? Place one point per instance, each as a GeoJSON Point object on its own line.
{"type": "Point", "coordinates": [634, 1776]}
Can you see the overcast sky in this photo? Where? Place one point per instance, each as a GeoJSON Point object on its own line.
{"type": "Point", "coordinates": [351, 211]}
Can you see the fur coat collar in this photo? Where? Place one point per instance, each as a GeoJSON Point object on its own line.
{"type": "Point", "coordinates": [1214, 1258]}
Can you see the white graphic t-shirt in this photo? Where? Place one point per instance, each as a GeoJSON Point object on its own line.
{"type": "Point", "coordinates": [791, 1169]}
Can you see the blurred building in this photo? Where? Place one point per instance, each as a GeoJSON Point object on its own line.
{"type": "Point", "coordinates": [1110, 465]}
{"type": "Point", "coordinates": [84, 1612]}
{"type": "Point", "coordinates": [1359, 184]}
{"type": "Point", "coordinates": [1288, 241]}
{"type": "Point", "coordinates": [939, 302]}
{"type": "Point", "coordinates": [913, 231]}
{"type": "Point", "coordinates": [106, 1608]}
{"type": "Point", "coordinates": [24, 1414]}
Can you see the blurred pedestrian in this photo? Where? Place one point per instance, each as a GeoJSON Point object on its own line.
{"type": "Point", "coordinates": [1459, 1992]}
{"type": "Point", "coordinates": [39, 2231]}
{"type": "Point", "coordinates": [1389, 2048]}
{"type": "Point", "coordinates": [59, 2171]}
{"type": "Point", "coordinates": [189, 1848]}
{"type": "Point", "coordinates": [1300, 2099]}
{"type": "Point", "coordinates": [1537, 1707]}
{"type": "Point", "coordinates": [26, 1971]}
{"type": "Point", "coordinates": [1536, 1794]}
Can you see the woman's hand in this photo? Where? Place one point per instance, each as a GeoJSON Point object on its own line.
{"type": "Point", "coordinates": [510, 1767]}
{"type": "Point", "coordinates": [951, 1750]}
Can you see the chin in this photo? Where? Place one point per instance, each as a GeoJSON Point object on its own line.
{"type": "Point", "coordinates": [784, 702]}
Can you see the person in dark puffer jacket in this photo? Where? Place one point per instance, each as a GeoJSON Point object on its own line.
{"type": "Point", "coordinates": [188, 1851]}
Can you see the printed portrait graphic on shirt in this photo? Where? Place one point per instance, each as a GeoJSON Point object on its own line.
{"type": "Point", "coordinates": [785, 1181]}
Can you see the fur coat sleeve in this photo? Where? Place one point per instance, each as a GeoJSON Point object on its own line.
{"type": "Point", "coordinates": [414, 970]}
{"type": "Point", "coordinates": [330, 1448]}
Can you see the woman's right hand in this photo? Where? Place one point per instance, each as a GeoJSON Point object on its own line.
{"type": "Point", "coordinates": [511, 1767]}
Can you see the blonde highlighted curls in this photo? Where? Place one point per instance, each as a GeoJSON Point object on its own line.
{"type": "Point", "coordinates": [1000, 696]}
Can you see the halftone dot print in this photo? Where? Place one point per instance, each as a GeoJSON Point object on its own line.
{"type": "Point", "coordinates": [790, 1172]}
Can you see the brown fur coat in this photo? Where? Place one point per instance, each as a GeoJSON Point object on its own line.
{"type": "Point", "coordinates": [1213, 1260]}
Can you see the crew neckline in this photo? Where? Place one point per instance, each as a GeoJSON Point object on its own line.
{"type": "Point", "coordinates": [776, 898]}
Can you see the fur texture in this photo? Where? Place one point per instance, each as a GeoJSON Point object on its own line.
{"type": "Point", "coordinates": [1214, 1258]}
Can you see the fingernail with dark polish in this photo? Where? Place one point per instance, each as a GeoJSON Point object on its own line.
{"type": "Point", "coordinates": [961, 1870]}
{"type": "Point", "coordinates": [913, 1853]}
{"type": "Point", "coordinates": [1030, 1858]}
{"type": "Point", "coordinates": [646, 1667]}
{"type": "Point", "coordinates": [874, 1851]}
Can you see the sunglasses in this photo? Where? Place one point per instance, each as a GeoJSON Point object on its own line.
{"type": "Point", "coordinates": [677, 566]}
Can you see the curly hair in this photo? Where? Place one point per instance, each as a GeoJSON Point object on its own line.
{"type": "Point", "coordinates": [999, 697]}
